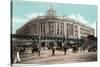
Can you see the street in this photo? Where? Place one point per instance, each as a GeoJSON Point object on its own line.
{"type": "Point", "coordinates": [59, 58]}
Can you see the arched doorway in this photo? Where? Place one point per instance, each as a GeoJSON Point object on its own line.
{"type": "Point", "coordinates": [42, 44]}
{"type": "Point", "coordinates": [59, 45]}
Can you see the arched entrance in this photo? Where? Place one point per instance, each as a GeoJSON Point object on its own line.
{"type": "Point", "coordinates": [51, 44]}
{"type": "Point", "coordinates": [42, 44]}
{"type": "Point", "coordinates": [59, 45]}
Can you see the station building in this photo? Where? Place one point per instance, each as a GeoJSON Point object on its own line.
{"type": "Point", "coordinates": [52, 25]}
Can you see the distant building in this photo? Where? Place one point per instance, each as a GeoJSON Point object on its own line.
{"type": "Point", "coordinates": [51, 24]}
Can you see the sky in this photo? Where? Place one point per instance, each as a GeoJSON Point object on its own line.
{"type": "Point", "coordinates": [23, 11]}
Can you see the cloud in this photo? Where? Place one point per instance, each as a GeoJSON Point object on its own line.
{"type": "Point", "coordinates": [33, 15]}
{"type": "Point", "coordinates": [18, 19]}
{"type": "Point", "coordinates": [81, 19]}
{"type": "Point", "coordinates": [72, 16]}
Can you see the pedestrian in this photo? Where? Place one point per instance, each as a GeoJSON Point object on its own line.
{"type": "Point", "coordinates": [17, 58]}
{"type": "Point", "coordinates": [53, 49]}
{"type": "Point", "coordinates": [33, 50]}
{"type": "Point", "coordinates": [64, 47]}
{"type": "Point", "coordinates": [39, 52]}
{"type": "Point", "coordinates": [73, 48]}
{"type": "Point", "coordinates": [39, 49]}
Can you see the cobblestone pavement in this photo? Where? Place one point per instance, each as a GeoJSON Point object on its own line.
{"type": "Point", "coordinates": [60, 58]}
